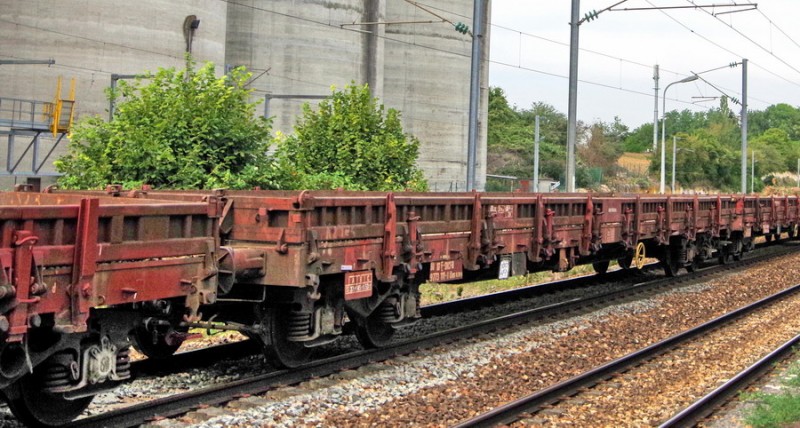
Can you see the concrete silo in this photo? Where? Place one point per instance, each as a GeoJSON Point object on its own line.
{"type": "Point", "coordinates": [428, 79]}
{"type": "Point", "coordinates": [294, 48]}
{"type": "Point", "coordinates": [91, 40]}
{"type": "Point", "coordinates": [302, 49]}
{"type": "Point", "coordinates": [421, 69]}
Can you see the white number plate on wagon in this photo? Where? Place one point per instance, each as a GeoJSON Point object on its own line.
{"type": "Point", "coordinates": [357, 285]}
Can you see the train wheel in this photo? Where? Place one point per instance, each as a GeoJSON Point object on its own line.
{"type": "Point", "coordinates": [159, 347]}
{"type": "Point", "coordinates": [35, 407]}
{"type": "Point", "coordinates": [279, 350]}
{"type": "Point", "coordinates": [373, 331]}
{"type": "Point", "coordinates": [670, 268]}
{"type": "Point", "coordinates": [670, 263]}
{"type": "Point", "coordinates": [374, 334]}
{"type": "Point", "coordinates": [625, 262]}
{"type": "Point", "coordinates": [600, 267]}
{"type": "Point", "coordinates": [724, 256]}
{"type": "Point", "coordinates": [738, 251]}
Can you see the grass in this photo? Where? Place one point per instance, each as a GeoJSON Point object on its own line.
{"type": "Point", "coordinates": [776, 410]}
{"type": "Point", "coordinates": [439, 292]}
{"type": "Point", "coordinates": [635, 162]}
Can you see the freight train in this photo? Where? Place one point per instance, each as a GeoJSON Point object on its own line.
{"type": "Point", "coordinates": [86, 275]}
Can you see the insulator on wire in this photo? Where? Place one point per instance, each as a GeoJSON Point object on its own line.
{"type": "Point", "coordinates": [591, 15]}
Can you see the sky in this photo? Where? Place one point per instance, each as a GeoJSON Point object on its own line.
{"type": "Point", "coordinates": [530, 55]}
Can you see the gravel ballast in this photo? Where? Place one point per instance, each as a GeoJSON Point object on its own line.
{"type": "Point", "coordinates": [445, 385]}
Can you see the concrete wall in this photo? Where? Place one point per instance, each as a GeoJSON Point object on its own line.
{"type": "Point", "coordinates": [429, 83]}
{"type": "Point", "coordinates": [304, 48]}
{"type": "Point", "coordinates": [301, 47]}
{"type": "Point", "coordinates": [90, 40]}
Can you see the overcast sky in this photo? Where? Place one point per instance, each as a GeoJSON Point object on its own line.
{"type": "Point", "coordinates": [530, 55]}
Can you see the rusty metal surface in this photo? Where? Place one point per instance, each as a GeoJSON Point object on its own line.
{"type": "Point", "coordinates": [332, 232]}
{"type": "Point", "coordinates": [65, 254]}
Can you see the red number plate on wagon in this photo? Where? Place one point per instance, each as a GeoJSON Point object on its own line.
{"type": "Point", "coordinates": [357, 285]}
{"type": "Point", "coordinates": [446, 270]}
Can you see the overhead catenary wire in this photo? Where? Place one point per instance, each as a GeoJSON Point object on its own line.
{"type": "Point", "coordinates": [306, 20]}
{"type": "Point", "coordinates": [233, 2]}
{"type": "Point", "coordinates": [773, 24]}
{"type": "Point", "coordinates": [750, 39]}
{"type": "Point", "coordinates": [95, 70]}
{"type": "Point", "coordinates": [648, 66]}
{"type": "Point", "coordinates": [737, 55]}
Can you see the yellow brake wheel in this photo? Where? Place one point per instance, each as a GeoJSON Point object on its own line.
{"type": "Point", "coordinates": [638, 256]}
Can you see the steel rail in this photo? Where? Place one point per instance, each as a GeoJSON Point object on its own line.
{"type": "Point", "coordinates": [706, 405]}
{"type": "Point", "coordinates": [206, 356]}
{"type": "Point", "coordinates": [182, 403]}
{"type": "Point", "coordinates": [509, 412]}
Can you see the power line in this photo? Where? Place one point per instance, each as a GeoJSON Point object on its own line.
{"type": "Point", "coordinates": [325, 24]}
{"type": "Point", "coordinates": [404, 42]}
{"type": "Point", "coordinates": [648, 66]}
{"type": "Point", "coordinates": [775, 25]}
{"type": "Point", "coordinates": [722, 47]}
{"type": "Point", "coordinates": [749, 39]}
{"type": "Point", "coordinates": [93, 70]}
{"type": "Point", "coordinates": [557, 42]}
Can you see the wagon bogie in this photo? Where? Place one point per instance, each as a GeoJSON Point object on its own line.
{"type": "Point", "coordinates": [76, 273]}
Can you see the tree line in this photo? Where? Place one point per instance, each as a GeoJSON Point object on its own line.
{"type": "Point", "coordinates": [709, 144]}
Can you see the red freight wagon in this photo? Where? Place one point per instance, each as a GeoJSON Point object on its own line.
{"type": "Point", "coordinates": [295, 265]}
{"type": "Point", "coordinates": [78, 275]}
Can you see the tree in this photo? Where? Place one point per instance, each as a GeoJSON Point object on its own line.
{"type": "Point", "coordinates": [180, 129]}
{"type": "Point", "coordinates": [779, 116]}
{"type": "Point", "coordinates": [603, 148]}
{"type": "Point", "coordinates": [724, 125]}
{"type": "Point", "coordinates": [511, 135]}
{"type": "Point", "coordinates": [350, 141]}
{"type": "Point", "coordinates": [640, 139]}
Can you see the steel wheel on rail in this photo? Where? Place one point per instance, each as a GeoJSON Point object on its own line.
{"type": "Point", "coordinates": [35, 407]}
{"type": "Point", "coordinates": [276, 324]}
{"type": "Point", "coordinates": [738, 250]}
{"type": "Point", "coordinates": [373, 331]}
{"type": "Point", "coordinates": [691, 254]}
{"type": "Point", "coordinates": [625, 262]}
{"type": "Point", "coordinates": [600, 267]}
{"type": "Point", "coordinates": [670, 261]}
{"type": "Point", "coordinates": [692, 266]}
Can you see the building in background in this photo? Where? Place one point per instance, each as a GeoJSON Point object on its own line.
{"type": "Point", "coordinates": [296, 50]}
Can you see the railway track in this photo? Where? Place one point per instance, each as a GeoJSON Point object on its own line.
{"type": "Point", "coordinates": [204, 357]}
{"type": "Point", "coordinates": [576, 392]}
{"type": "Point", "coordinates": [179, 404]}
{"type": "Point", "coordinates": [706, 405]}
{"type": "Point", "coordinates": [556, 290]}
